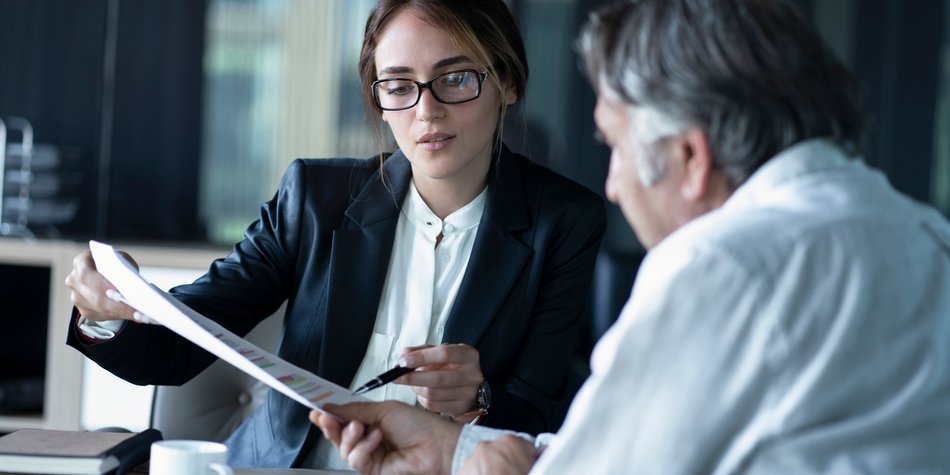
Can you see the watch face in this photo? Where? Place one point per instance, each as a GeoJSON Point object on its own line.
{"type": "Point", "coordinates": [484, 396]}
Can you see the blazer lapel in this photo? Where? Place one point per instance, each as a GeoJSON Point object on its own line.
{"type": "Point", "coordinates": [498, 255]}
{"type": "Point", "coordinates": [359, 261]}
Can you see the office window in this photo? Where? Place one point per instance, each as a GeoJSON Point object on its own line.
{"type": "Point", "coordinates": [280, 83]}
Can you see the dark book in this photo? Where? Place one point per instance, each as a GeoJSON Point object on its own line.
{"type": "Point", "coordinates": [74, 452]}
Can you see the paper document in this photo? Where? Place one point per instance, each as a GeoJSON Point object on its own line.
{"type": "Point", "coordinates": [297, 383]}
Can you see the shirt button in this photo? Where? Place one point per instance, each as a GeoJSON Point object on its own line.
{"type": "Point", "coordinates": [449, 228]}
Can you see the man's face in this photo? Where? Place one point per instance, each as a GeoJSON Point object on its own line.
{"type": "Point", "coordinates": [650, 211]}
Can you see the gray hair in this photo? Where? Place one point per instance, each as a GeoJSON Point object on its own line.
{"type": "Point", "coordinates": [649, 127]}
{"type": "Point", "coordinates": [752, 74]}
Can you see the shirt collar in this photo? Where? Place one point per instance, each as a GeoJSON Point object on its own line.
{"type": "Point", "coordinates": [423, 219]}
{"type": "Point", "coordinates": [801, 159]}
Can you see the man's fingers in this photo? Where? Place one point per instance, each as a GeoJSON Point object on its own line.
{"type": "Point", "coordinates": [361, 455]}
{"type": "Point", "coordinates": [328, 424]}
{"type": "Point", "coordinates": [351, 435]}
{"type": "Point", "coordinates": [353, 410]}
{"type": "Point", "coordinates": [325, 428]}
{"type": "Point", "coordinates": [368, 413]}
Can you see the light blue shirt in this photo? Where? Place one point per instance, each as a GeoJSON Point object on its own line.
{"type": "Point", "coordinates": [803, 327]}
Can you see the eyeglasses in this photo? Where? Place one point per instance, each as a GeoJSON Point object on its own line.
{"type": "Point", "coordinates": [453, 87]}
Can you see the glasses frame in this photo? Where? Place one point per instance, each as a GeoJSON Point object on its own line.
{"type": "Point", "coordinates": [481, 75]}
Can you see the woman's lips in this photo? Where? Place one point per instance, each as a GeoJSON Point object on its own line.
{"type": "Point", "coordinates": [434, 142]}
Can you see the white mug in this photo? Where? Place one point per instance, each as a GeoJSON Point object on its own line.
{"type": "Point", "coordinates": [188, 457]}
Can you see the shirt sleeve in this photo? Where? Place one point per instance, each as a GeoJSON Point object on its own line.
{"type": "Point", "coordinates": [680, 373]}
{"type": "Point", "coordinates": [472, 435]}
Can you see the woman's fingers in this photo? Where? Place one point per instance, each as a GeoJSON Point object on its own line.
{"type": "Point", "coordinates": [443, 366]}
{"type": "Point", "coordinates": [92, 294]}
{"type": "Point", "coordinates": [458, 354]}
{"type": "Point", "coordinates": [447, 377]}
{"type": "Point", "coordinates": [453, 408]}
{"type": "Point", "coordinates": [445, 387]}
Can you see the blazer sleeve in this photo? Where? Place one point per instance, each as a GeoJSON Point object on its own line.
{"type": "Point", "coordinates": [238, 292]}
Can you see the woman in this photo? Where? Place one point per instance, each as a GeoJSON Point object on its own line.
{"type": "Point", "coordinates": [452, 255]}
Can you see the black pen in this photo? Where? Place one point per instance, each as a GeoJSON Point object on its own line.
{"type": "Point", "coordinates": [385, 378]}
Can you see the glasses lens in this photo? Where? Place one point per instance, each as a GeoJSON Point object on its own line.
{"type": "Point", "coordinates": [396, 93]}
{"type": "Point", "coordinates": [458, 86]}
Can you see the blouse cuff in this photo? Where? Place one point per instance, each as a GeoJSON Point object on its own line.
{"type": "Point", "coordinates": [98, 331]}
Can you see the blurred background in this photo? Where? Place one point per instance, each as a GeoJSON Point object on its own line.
{"type": "Point", "coordinates": [172, 120]}
{"type": "Point", "coordinates": [165, 124]}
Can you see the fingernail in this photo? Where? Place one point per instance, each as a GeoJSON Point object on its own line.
{"type": "Point", "coordinates": [113, 295]}
{"type": "Point", "coordinates": [140, 317]}
{"type": "Point", "coordinates": [405, 361]}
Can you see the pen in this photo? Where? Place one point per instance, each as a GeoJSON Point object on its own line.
{"type": "Point", "coordinates": [385, 378]}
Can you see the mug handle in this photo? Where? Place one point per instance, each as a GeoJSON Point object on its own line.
{"type": "Point", "coordinates": [221, 469]}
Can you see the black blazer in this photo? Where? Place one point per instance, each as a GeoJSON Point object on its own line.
{"type": "Point", "coordinates": [323, 244]}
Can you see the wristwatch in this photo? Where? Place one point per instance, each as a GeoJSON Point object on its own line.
{"type": "Point", "coordinates": [482, 402]}
{"type": "Point", "coordinates": [483, 399]}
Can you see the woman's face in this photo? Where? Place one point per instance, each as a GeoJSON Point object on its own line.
{"type": "Point", "coordinates": [447, 144]}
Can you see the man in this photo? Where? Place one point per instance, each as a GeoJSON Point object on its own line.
{"type": "Point", "coordinates": [793, 313]}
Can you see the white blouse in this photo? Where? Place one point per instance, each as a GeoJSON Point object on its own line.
{"type": "Point", "coordinates": [420, 288]}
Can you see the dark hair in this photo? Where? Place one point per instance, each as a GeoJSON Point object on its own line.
{"type": "Point", "coordinates": [753, 74]}
{"type": "Point", "coordinates": [484, 30]}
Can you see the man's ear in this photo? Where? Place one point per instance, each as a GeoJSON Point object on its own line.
{"type": "Point", "coordinates": [698, 165]}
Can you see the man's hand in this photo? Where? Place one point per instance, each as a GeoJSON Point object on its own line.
{"type": "Point", "coordinates": [447, 380]}
{"type": "Point", "coordinates": [390, 438]}
{"type": "Point", "coordinates": [508, 455]}
{"type": "Point", "coordinates": [93, 295]}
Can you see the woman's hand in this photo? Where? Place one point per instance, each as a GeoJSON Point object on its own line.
{"type": "Point", "coordinates": [446, 380]}
{"type": "Point", "coordinates": [93, 295]}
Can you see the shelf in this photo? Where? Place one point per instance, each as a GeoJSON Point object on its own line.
{"type": "Point", "coordinates": [11, 423]}
{"type": "Point", "coordinates": [63, 364]}
{"type": "Point", "coordinates": [63, 398]}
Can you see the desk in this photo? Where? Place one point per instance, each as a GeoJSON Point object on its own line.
{"type": "Point", "coordinates": [266, 471]}
{"type": "Point", "coordinates": [143, 469]}
{"type": "Point", "coordinates": [287, 471]}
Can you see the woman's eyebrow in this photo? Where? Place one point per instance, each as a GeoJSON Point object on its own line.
{"type": "Point", "coordinates": [395, 70]}
{"type": "Point", "coordinates": [438, 64]}
{"type": "Point", "coordinates": [453, 60]}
